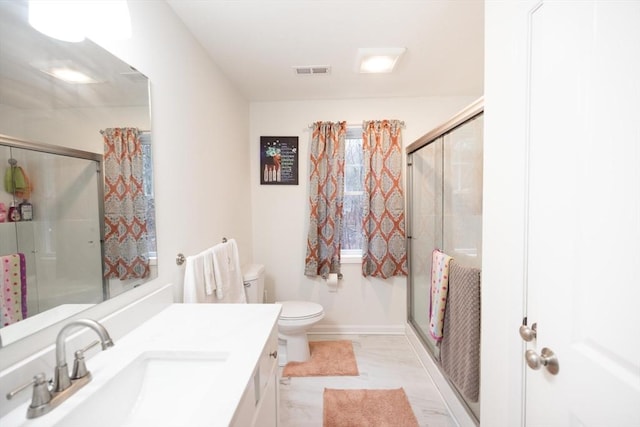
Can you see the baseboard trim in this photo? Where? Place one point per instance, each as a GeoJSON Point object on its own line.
{"type": "Point", "coordinates": [457, 409]}
{"type": "Point", "coordinates": [357, 329]}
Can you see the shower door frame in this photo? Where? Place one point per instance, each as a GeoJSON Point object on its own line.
{"type": "Point", "coordinates": [78, 154]}
{"type": "Point", "coordinates": [469, 113]}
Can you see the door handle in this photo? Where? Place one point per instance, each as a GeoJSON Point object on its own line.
{"type": "Point", "coordinates": [528, 333]}
{"type": "Point", "coordinates": [547, 358]}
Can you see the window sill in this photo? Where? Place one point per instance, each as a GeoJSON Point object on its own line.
{"type": "Point", "coordinates": [350, 257]}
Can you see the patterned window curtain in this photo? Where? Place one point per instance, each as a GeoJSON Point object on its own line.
{"type": "Point", "coordinates": [326, 189]}
{"type": "Point", "coordinates": [125, 207]}
{"type": "Point", "coordinates": [383, 252]}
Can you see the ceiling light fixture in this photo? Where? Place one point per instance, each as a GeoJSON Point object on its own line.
{"type": "Point", "coordinates": [72, 21]}
{"type": "Point", "coordinates": [67, 71]}
{"type": "Point", "coordinates": [71, 76]}
{"type": "Point", "coordinates": [374, 60]}
{"type": "Point", "coordinates": [59, 20]}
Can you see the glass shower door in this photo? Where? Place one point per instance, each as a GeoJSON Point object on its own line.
{"type": "Point", "coordinates": [462, 195]}
{"type": "Point", "coordinates": [426, 231]}
{"type": "Point", "coordinates": [445, 212]}
{"type": "Point", "coordinates": [62, 244]}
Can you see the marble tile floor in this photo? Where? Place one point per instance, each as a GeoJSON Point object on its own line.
{"type": "Point", "coordinates": [384, 361]}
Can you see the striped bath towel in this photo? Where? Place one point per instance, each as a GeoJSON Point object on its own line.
{"type": "Point", "coordinates": [14, 288]}
{"type": "Point", "coordinates": [439, 288]}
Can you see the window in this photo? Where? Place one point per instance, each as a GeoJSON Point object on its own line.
{"type": "Point", "coordinates": [147, 170]}
{"type": "Point", "coordinates": [352, 209]}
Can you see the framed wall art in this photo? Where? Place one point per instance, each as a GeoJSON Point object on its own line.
{"type": "Point", "coordinates": [279, 160]}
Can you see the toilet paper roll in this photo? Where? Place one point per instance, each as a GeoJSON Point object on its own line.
{"type": "Point", "coordinates": [332, 281]}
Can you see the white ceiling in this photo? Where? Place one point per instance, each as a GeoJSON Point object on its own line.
{"type": "Point", "coordinates": [23, 51]}
{"type": "Point", "coordinates": [256, 44]}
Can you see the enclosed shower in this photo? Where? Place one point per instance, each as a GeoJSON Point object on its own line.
{"type": "Point", "coordinates": [58, 238]}
{"type": "Point", "coordinates": [444, 186]}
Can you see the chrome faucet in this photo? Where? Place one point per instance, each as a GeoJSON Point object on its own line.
{"type": "Point", "coordinates": [61, 379]}
{"type": "Point", "coordinates": [45, 399]}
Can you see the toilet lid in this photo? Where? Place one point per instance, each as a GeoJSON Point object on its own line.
{"type": "Point", "coordinates": [299, 309]}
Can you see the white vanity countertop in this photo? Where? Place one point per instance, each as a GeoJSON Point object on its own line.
{"type": "Point", "coordinates": [240, 330]}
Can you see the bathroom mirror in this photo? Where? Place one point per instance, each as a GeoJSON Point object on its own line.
{"type": "Point", "coordinates": [38, 107]}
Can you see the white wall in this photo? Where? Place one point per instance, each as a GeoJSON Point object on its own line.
{"type": "Point", "coordinates": [504, 153]}
{"type": "Point", "coordinates": [9, 126]}
{"type": "Point", "coordinates": [77, 128]}
{"type": "Point", "coordinates": [280, 212]}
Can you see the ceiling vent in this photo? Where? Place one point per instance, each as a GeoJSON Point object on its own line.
{"type": "Point", "coordinates": [312, 69]}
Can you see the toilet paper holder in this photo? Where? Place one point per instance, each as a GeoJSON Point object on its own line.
{"type": "Point", "coordinates": [325, 276]}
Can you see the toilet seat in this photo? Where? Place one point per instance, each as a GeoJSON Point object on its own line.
{"type": "Point", "coordinates": [300, 310]}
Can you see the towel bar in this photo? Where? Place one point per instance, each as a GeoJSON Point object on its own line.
{"type": "Point", "coordinates": [180, 259]}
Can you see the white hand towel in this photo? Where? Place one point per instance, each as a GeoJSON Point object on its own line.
{"type": "Point", "coordinates": [235, 272]}
{"type": "Point", "coordinates": [209, 272]}
{"type": "Point", "coordinates": [194, 280]}
{"type": "Point", "coordinates": [220, 269]}
{"type": "Point", "coordinates": [190, 293]}
{"type": "Point", "coordinates": [228, 275]}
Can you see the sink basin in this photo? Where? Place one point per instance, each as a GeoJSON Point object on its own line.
{"type": "Point", "coordinates": [155, 389]}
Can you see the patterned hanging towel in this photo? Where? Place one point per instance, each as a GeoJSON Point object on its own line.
{"type": "Point", "coordinates": [14, 288]}
{"type": "Point", "coordinates": [439, 288]}
{"type": "Point", "coordinates": [460, 346]}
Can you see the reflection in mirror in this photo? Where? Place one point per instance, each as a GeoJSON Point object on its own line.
{"type": "Point", "coordinates": [61, 254]}
{"type": "Point", "coordinates": [50, 237]}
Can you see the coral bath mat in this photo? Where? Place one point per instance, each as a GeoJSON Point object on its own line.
{"type": "Point", "coordinates": [328, 358]}
{"type": "Point", "coordinates": [371, 408]}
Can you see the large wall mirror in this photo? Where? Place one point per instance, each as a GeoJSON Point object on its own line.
{"type": "Point", "coordinates": [62, 243]}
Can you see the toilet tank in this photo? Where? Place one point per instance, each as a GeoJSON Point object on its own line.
{"type": "Point", "coordinates": [253, 277]}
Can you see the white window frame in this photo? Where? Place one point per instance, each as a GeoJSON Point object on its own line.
{"type": "Point", "coordinates": [352, 256]}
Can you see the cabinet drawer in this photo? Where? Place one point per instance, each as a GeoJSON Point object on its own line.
{"type": "Point", "coordinates": [267, 362]}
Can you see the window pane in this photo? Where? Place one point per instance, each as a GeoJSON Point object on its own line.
{"type": "Point", "coordinates": [352, 221]}
{"type": "Point", "coordinates": [147, 170]}
{"type": "Point", "coordinates": [353, 191]}
{"type": "Point", "coordinates": [353, 158]}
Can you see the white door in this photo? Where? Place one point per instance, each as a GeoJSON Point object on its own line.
{"type": "Point", "coordinates": [582, 246]}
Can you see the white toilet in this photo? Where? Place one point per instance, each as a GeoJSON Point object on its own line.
{"type": "Point", "coordinates": [253, 278]}
{"type": "Point", "coordinates": [296, 318]}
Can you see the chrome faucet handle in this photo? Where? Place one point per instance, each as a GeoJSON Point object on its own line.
{"type": "Point", "coordinates": [79, 365]}
{"type": "Point", "coordinates": [41, 394]}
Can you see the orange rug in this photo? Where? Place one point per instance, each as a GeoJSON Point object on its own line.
{"type": "Point", "coordinates": [328, 358]}
{"type": "Point", "coordinates": [371, 408]}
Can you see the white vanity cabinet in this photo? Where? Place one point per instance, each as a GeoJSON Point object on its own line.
{"type": "Point", "coordinates": [232, 347]}
{"type": "Point", "coordinates": [259, 404]}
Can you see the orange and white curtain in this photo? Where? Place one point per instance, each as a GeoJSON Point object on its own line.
{"type": "Point", "coordinates": [326, 190]}
{"type": "Point", "coordinates": [125, 206]}
{"type": "Point", "coordinates": [384, 251]}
